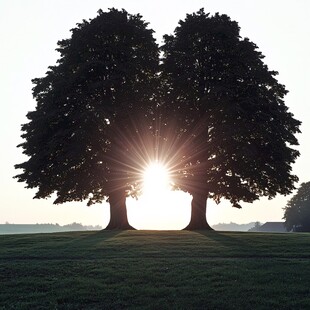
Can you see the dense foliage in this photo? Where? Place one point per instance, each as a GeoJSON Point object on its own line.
{"type": "Point", "coordinates": [233, 125]}
{"type": "Point", "coordinates": [88, 106]}
{"type": "Point", "coordinates": [297, 210]}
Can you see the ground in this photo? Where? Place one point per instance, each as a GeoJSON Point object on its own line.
{"type": "Point", "coordinates": [155, 270]}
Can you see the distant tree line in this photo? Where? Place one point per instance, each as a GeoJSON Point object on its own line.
{"type": "Point", "coordinates": [8, 228]}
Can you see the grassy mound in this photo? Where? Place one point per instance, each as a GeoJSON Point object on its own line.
{"type": "Point", "coordinates": [155, 270]}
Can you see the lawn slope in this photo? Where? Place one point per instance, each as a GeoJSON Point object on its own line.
{"type": "Point", "coordinates": [155, 270]}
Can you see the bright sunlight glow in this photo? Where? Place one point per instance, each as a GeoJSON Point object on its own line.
{"type": "Point", "coordinates": [156, 179]}
{"type": "Point", "coordinates": [159, 207]}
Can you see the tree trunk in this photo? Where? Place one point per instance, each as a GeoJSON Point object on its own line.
{"type": "Point", "coordinates": [118, 211]}
{"type": "Point", "coordinates": [198, 213]}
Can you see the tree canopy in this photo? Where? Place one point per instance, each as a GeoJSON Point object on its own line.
{"type": "Point", "coordinates": [232, 123]}
{"type": "Point", "coordinates": [297, 210]}
{"type": "Point", "coordinates": [231, 113]}
{"type": "Point", "coordinates": [89, 108]}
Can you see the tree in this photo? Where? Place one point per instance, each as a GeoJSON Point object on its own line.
{"type": "Point", "coordinates": [297, 210]}
{"type": "Point", "coordinates": [233, 131]}
{"type": "Point", "coordinates": [90, 108]}
{"type": "Point", "coordinates": [256, 227]}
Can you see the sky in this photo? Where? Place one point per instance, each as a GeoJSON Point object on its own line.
{"type": "Point", "coordinates": [29, 31]}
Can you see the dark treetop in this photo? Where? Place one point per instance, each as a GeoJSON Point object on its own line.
{"type": "Point", "coordinates": [233, 128]}
{"type": "Point", "coordinates": [88, 106]}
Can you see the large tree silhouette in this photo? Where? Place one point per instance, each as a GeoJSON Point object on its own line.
{"type": "Point", "coordinates": [233, 131]}
{"type": "Point", "coordinates": [91, 109]}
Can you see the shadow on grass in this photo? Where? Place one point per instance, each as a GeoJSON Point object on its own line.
{"type": "Point", "coordinates": [235, 242]}
{"type": "Point", "coordinates": [93, 238]}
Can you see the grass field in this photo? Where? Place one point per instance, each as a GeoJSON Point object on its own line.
{"type": "Point", "coordinates": [155, 270]}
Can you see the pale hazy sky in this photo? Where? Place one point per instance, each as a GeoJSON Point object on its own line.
{"type": "Point", "coordinates": [29, 31]}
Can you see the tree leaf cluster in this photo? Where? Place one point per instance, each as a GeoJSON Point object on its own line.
{"type": "Point", "coordinates": [230, 110]}
{"type": "Point", "coordinates": [105, 74]}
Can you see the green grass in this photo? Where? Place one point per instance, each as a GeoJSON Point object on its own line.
{"type": "Point", "coordinates": [155, 270]}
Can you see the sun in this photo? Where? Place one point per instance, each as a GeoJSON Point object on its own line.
{"type": "Point", "coordinates": [156, 179]}
{"type": "Point", "coordinates": [159, 206]}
